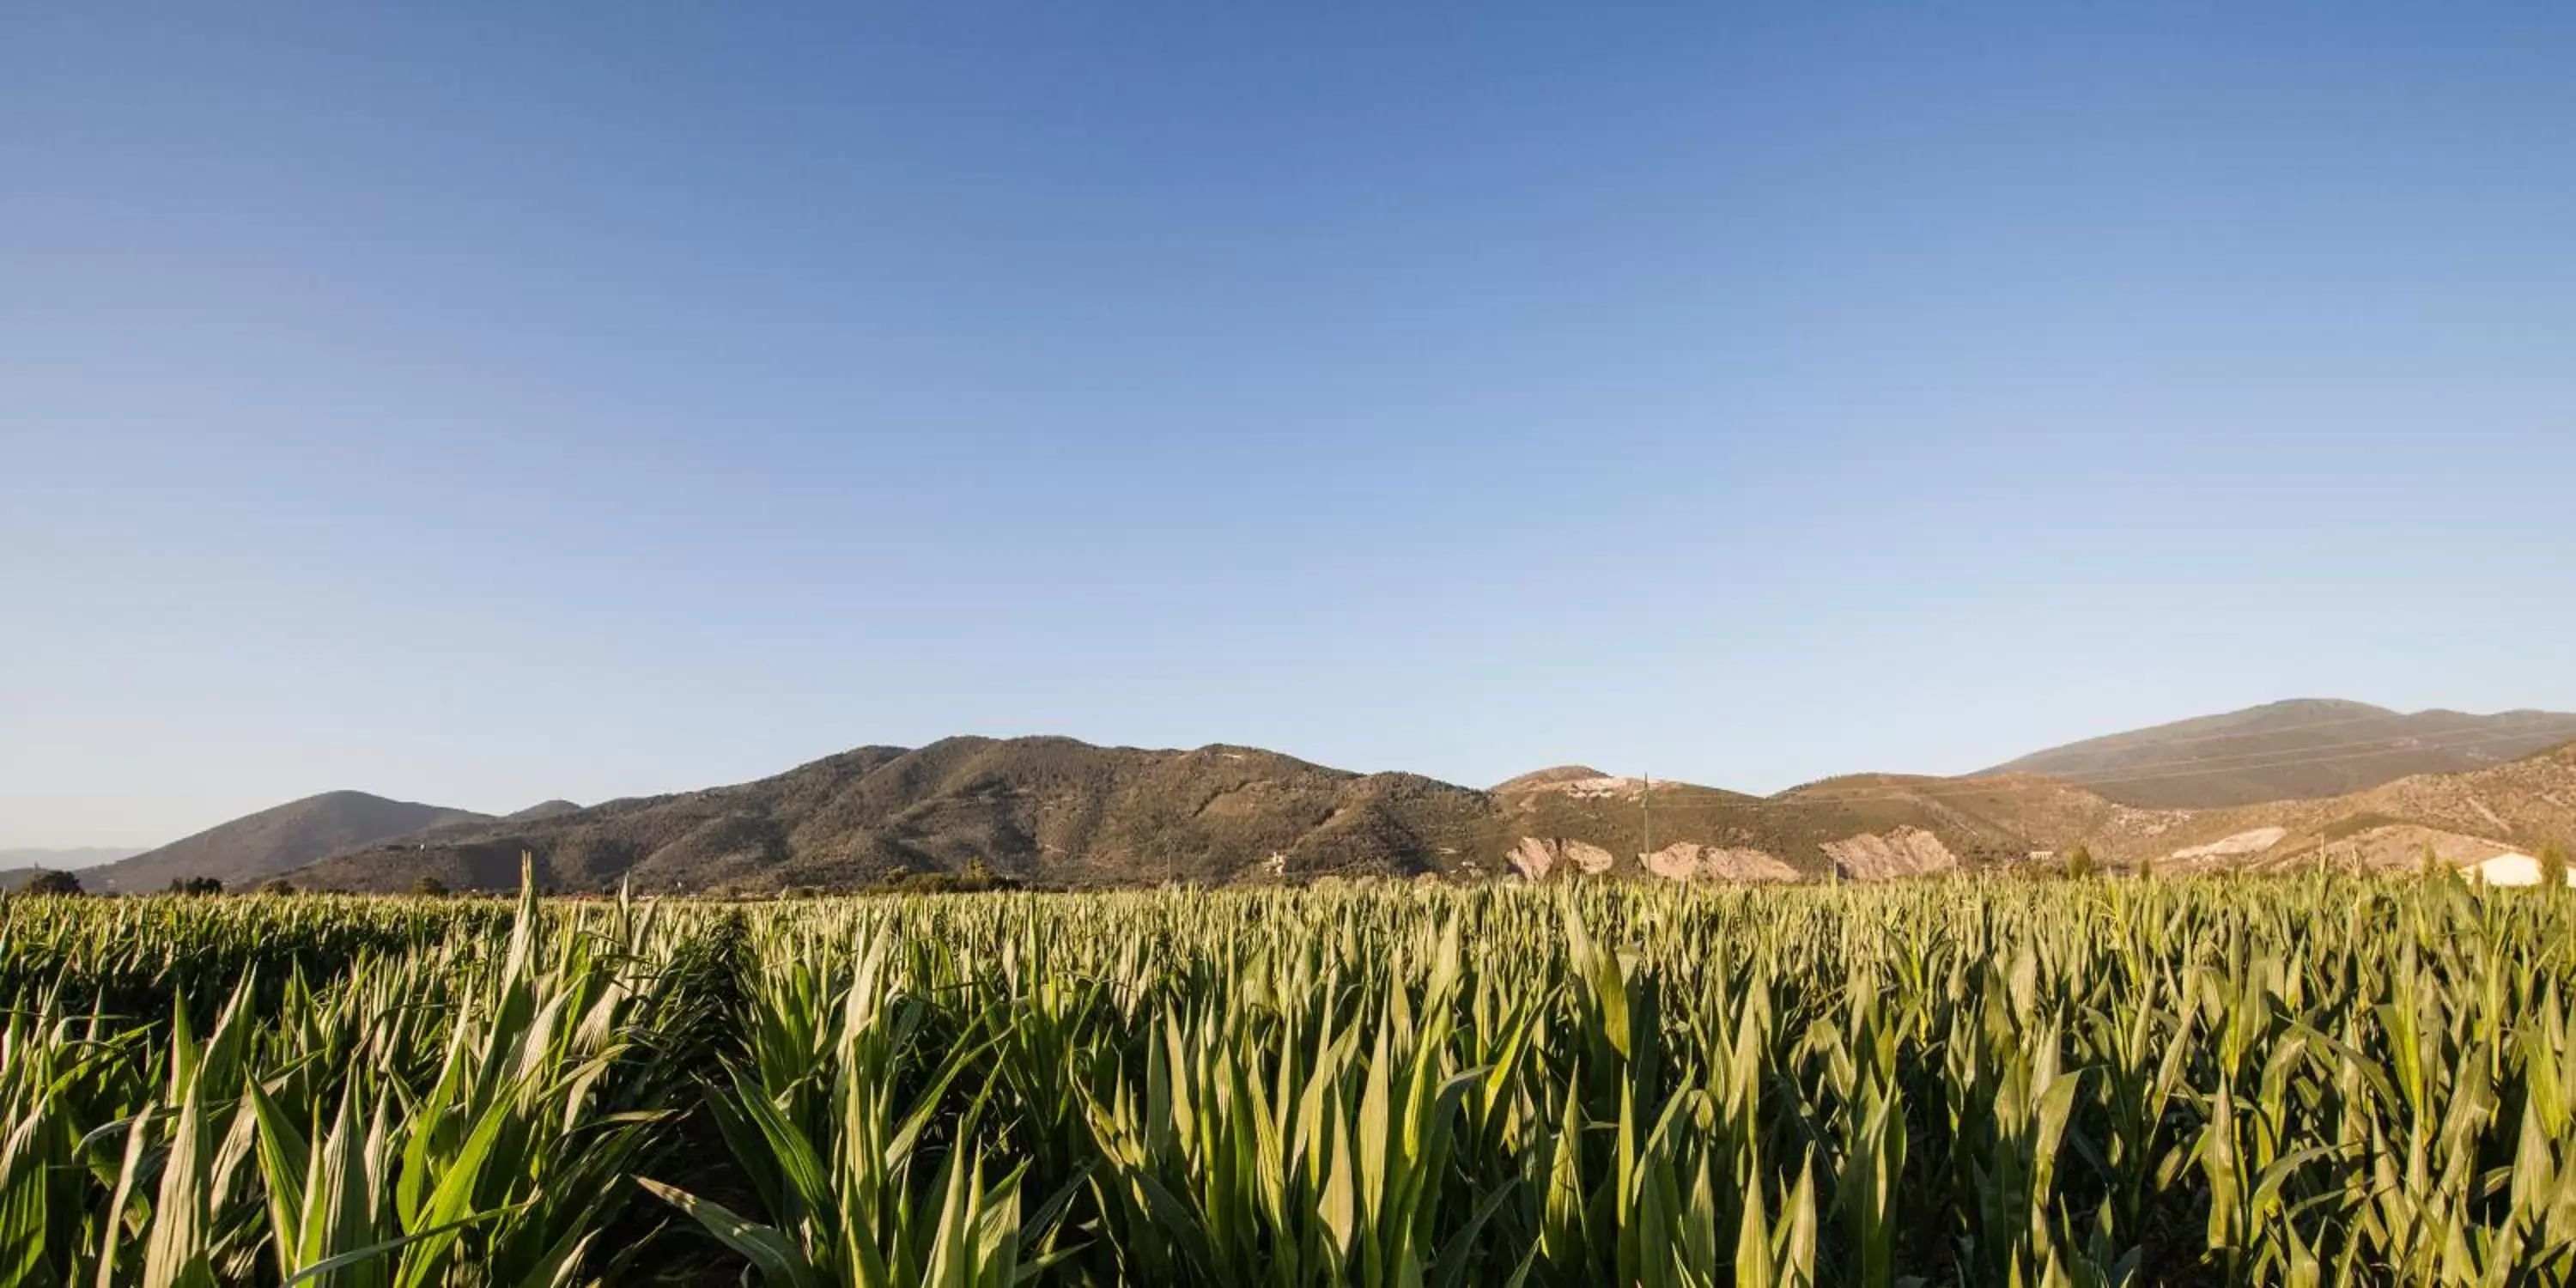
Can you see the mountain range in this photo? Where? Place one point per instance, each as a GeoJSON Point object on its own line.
{"type": "Point", "coordinates": [2290, 750]}
{"type": "Point", "coordinates": [85, 856]}
{"type": "Point", "coordinates": [16, 866]}
{"type": "Point", "coordinates": [2272, 786]}
{"type": "Point", "coordinates": [286, 837]}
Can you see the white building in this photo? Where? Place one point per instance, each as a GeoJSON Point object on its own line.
{"type": "Point", "coordinates": [2510, 870]}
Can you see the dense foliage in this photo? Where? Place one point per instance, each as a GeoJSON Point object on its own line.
{"type": "Point", "coordinates": [2306, 1081]}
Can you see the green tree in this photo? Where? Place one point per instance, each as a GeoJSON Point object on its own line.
{"type": "Point", "coordinates": [277, 885]}
{"type": "Point", "coordinates": [2553, 865]}
{"type": "Point", "coordinates": [2147, 868]}
{"type": "Point", "coordinates": [429, 887]}
{"type": "Point", "coordinates": [196, 886]}
{"type": "Point", "coordinates": [55, 883]}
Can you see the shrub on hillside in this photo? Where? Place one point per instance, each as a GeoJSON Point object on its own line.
{"type": "Point", "coordinates": [2079, 862]}
{"type": "Point", "coordinates": [53, 883]}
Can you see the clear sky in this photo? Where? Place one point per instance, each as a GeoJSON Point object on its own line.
{"type": "Point", "coordinates": [478, 403]}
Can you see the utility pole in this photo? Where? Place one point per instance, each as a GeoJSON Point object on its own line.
{"type": "Point", "coordinates": [1646, 815]}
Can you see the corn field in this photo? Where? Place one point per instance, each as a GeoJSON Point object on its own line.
{"type": "Point", "coordinates": [2319, 1080]}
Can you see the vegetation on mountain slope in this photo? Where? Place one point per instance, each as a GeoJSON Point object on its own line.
{"type": "Point", "coordinates": [2290, 750]}
{"type": "Point", "coordinates": [1056, 812]}
{"type": "Point", "coordinates": [1044, 809]}
{"type": "Point", "coordinates": [276, 840]}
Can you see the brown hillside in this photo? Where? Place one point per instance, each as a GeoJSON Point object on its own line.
{"type": "Point", "coordinates": [1057, 811]}
{"type": "Point", "coordinates": [1550, 777]}
{"type": "Point", "coordinates": [2521, 805]}
{"type": "Point", "coordinates": [272, 841]}
{"type": "Point", "coordinates": [1045, 809]}
{"type": "Point", "coordinates": [2298, 750]}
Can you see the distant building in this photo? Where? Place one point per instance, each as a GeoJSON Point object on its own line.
{"type": "Point", "coordinates": [2510, 870]}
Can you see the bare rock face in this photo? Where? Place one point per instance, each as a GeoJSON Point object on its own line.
{"type": "Point", "coordinates": [2243, 843]}
{"type": "Point", "coordinates": [1592, 859]}
{"type": "Point", "coordinates": [1535, 858]}
{"type": "Point", "coordinates": [1684, 861]}
{"type": "Point", "coordinates": [1677, 862]}
{"type": "Point", "coordinates": [1905, 852]}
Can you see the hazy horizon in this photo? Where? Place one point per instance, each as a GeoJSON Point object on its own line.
{"type": "Point", "coordinates": [482, 405]}
{"type": "Point", "coordinates": [16, 856]}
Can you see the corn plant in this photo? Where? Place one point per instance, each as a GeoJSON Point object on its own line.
{"type": "Point", "coordinates": [2314, 1080]}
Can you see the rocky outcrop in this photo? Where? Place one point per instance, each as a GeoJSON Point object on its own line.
{"type": "Point", "coordinates": [1545, 778]}
{"type": "Point", "coordinates": [2253, 842]}
{"type": "Point", "coordinates": [1685, 861]}
{"type": "Point", "coordinates": [1535, 857]}
{"type": "Point", "coordinates": [1904, 852]}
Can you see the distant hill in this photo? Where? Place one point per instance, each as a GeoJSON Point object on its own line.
{"type": "Point", "coordinates": [1045, 809]}
{"type": "Point", "coordinates": [2295, 750]}
{"type": "Point", "coordinates": [1879, 825]}
{"type": "Point", "coordinates": [276, 840]}
{"type": "Point", "coordinates": [2519, 806]}
{"type": "Point", "coordinates": [1056, 811]}
{"type": "Point", "coordinates": [1553, 777]}
{"type": "Point", "coordinates": [17, 867]}
{"type": "Point", "coordinates": [67, 860]}
{"type": "Point", "coordinates": [467, 825]}
{"type": "Point", "coordinates": [540, 810]}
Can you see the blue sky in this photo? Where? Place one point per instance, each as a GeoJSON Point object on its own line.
{"type": "Point", "coordinates": [476, 404]}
